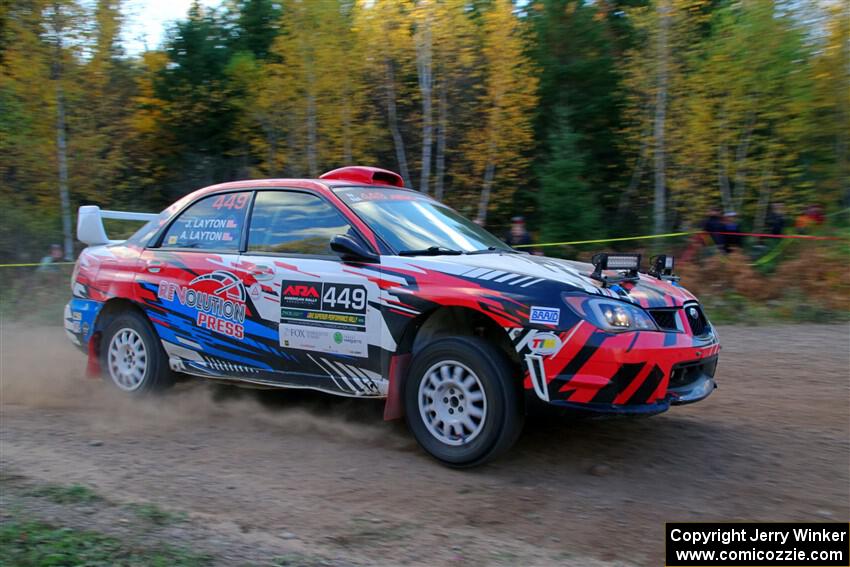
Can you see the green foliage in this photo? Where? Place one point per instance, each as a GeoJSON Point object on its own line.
{"type": "Point", "coordinates": [37, 544]}
{"type": "Point", "coordinates": [567, 205]}
{"type": "Point", "coordinates": [256, 26]}
{"type": "Point", "coordinates": [156, 515]}
{"type": "Point", "coordinates": [73, 494]}
{"type": "Point", "coordinates": [576, 51]}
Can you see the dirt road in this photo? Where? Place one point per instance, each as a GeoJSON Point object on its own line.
{"type": "Point", "coordinates": [262, 476]}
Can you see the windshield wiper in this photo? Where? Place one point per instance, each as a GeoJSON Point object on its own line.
{"type": "Point", "coordinates": [491, 249]}
{"type": "Point", "coordinates": [431, 251]}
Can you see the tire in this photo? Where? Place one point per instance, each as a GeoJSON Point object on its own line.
{"type": "Point", "coordinates": [132, 357]}
{"type": "Point", "coordinates": [462, 402]}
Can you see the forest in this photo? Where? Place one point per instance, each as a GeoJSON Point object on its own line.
{"type": "Point", "coordinates": [592, 119]}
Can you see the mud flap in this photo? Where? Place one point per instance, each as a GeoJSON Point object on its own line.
{"type": "Point", "coordinates": [394, 406]}
{"type": "Point", "coordinates": [93, 365]}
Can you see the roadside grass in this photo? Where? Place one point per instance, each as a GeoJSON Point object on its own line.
{"type": "Point", "coordinates": [73, 494]}
{"type": "Point", "coordinates": [79, 494]}
{"type": "Point", "coordinates": [156, 515]}
{"type": "Point", "coordinates": [28, 543]}
{"type": "Point", "coordinates": [731, 308]}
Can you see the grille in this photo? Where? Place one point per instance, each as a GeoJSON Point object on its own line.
{"type": "Point", "coordinates": [665, 319]}
{"type": "Point", "coordinates": [696, 319]}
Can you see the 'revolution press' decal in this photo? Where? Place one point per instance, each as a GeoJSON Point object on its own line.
{"type": "Point", "coordinates": [218, 298]}
{"type": "Point", "coordinates": [324, 317]}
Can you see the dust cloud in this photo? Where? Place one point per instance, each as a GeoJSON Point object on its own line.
{"type": "Point", "coordinates": [39, 368]}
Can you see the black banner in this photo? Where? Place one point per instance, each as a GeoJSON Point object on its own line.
{"type": "Point", "coordinates": [748, 544]}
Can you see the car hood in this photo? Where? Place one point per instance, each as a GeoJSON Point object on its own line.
{"type": "Point", "coordinates": [648, 292]}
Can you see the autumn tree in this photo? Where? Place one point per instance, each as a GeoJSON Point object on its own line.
{"type": "Point", "coordinates": [828, 140]}
{"type": "Point", "coordinates": [498, 149]}
{"type": "Point", "coordinates": [384, 30]}
{"type": "Point", "coordinates": [454, 74]}
{"type": "Point", "coordinates": [310, 92]}
{"type": "Point", "coordinates": [740, 130]}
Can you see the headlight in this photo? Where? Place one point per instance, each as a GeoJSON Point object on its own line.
{"type": "Point", "coordinates": [610, 314]}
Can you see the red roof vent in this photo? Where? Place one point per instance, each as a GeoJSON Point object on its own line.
{"type": "Point", "coordinates": [367, 175]}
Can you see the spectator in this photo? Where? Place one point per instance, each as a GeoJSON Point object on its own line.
{"type": "Point", "coordinates": [54, 254]}
{"type": "Point", "coordinates": [713, 225]}
{"type": "Point", "coordinates": [776, 218]}
{"type": "Point", "coordinates": [518, 234]}
{"type": "Point", "coordinates": [732, 228]}
{"type": "Point", "coordinates": [810, 219]}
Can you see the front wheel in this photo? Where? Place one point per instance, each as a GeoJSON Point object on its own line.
{"type": "Point", "coordinates": [462, 401]}
{"type": "Point", "coordinates": [131, 356]}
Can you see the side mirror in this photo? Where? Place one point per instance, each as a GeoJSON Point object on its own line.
{"type": "Point", "coordinates": [351, 250]}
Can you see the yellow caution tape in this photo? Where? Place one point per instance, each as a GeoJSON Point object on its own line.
{"type": "Point", "coordinates": [36, 264]}
{"type": "Point", "coordinates": [668, 235]}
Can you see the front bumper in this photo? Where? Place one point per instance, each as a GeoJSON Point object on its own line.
{"type": "Point", "coordinates": [79, 320]}
{"type": "Point", "coordinates": [639, 372]}
{"type": "Point", "coordinates": [692, 381]}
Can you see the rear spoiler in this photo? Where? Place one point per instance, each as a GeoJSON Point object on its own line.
{"type": "Point", "coordinates": [90, 223]}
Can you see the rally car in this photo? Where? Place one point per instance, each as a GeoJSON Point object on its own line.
{"type": "Point", "coordinates": [354, 285]}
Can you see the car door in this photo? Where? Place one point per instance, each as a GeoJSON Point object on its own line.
{"type": "Point", "coordinates": [190, 289]}
{"type": "Point", "coordinates": [323, 313]}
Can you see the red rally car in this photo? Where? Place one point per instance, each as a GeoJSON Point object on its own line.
{"type": "Point", "coordinates": [353, 285]}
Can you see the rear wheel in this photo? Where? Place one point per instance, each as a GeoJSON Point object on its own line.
{"type": "Point", "coordinates": [462, 401]}
{"type": "Point", "coordinates": [131, 356]}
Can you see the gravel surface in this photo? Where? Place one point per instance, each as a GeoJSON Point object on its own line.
{"type": "Point", "coordinates": [265, 477]}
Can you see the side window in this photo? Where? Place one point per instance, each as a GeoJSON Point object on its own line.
{"type": "Point", "coordinates": [213, 223]}
{"type": "Point", "coordinates": [288, 222]}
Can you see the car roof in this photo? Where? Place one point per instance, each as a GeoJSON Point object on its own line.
{"type": "Point", "coordinates": [319, 185]}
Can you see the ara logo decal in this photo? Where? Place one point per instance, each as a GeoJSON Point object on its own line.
{"type": "Point", "coordinates": [545, 343]}
{"type": "Point", "coordinates": [301, 291]}
{"type": "Point", "coordinates": [544, 315]}
{"type": "Point", "coordinates": [300, 294]}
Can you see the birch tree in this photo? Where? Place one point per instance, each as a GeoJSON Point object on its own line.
{"type": "Point", "coordinates": [424, 16]}
{"type": "Point", "coordinates": [454, 66]}
{"type": "Point", "coordinates": [385, 37]}
{"type": "Point", "coordinates": [510, 96]}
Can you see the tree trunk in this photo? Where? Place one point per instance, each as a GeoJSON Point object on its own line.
{"type": "Point", "coordinates": [723, 178]}
{"type": "Point", "coordinates": [442, 122]}
{"type": "Point", "coordinates": [426, 81]}
{"type": "Point", "coordinates": [663, 11]}
{"type": "Point", "coordinates": [740, 164]}
{"type": "Point", "coordinates": [486, 188]}
{"type": "Point", "coordinates": [61, 145]}
{"type": "Point", "coordinates": [62, 160]}
{"type": "Point", "coordinates": [312, 143]}
{"type": "Point", "coordinates": [637, 175]}
{"type": "Point", "coordinates": [346, 136]}
{"type": "Point", "coordinates": [392, 121]}
{"type": "Point", "coordinates": [761, 209]}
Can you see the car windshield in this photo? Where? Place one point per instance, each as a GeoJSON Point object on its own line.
{"type": "Point", "coordinates": [413, 223]}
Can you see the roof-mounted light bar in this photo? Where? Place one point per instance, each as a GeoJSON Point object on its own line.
{"type": "Point", "coordinates": [627, 263]}
{"type": "Point", "coordinates": [662, 267]}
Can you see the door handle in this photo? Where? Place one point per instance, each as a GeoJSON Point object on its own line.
{"type": "Point", "coordinates": [154, 266]}
{"type": "Point", "coordinates": [262, 273]}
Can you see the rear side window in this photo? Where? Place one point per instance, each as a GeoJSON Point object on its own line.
{"type": "Point", "coordinates": [289, 222]}
{"type": "Point", "coordinates": [213, 223]}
